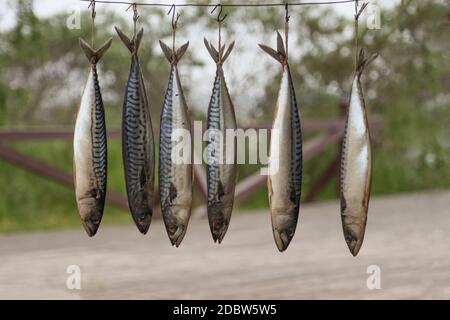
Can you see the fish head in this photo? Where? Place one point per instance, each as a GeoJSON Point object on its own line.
{"type": "Point", "coordinates": [91, 212]}
{"type": "Point", "coordinates": [142, 216]}
{"type": "Point", "coordinates": [219, 219]}
{"type": "Point", "coordinates": [177, 224]}
{"type": "Point", "coordinates": [284, 225]}
{"type": "Point", "coordinates": [353, 233]}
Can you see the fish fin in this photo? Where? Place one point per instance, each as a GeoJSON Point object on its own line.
{"type": "Point", "coordinates": [88, 51]}
{"type": "Point", "coordinates": [271, 52]}
{"type": "Point", "coordinates": [138, 39]}
{"type": "Point", "coordinates": [363, 62]}
{"type": "Point", "coordinates": [134, 43]}
{"type": "Point", "coordinates": [92, 55]}
{"type": "Point", "coordinates": [220, 190]}
{"type": "Point", "coordinates": [211, 50]}
{"type": "Point", "coordinates": [280, 53]}
{"type": "Point", "coordinates": [167, 51]}
{"type": "Point", "coordinates": [280, 46]}
{"type": "Point", "coordinates": [172, 192]}
{"type": "Point", "coordinates": [227, 53]}
{"type": "Point", "coordinates": [142, 178]}
{"type": "Point", "coordinates": [126, 41]}
{"type": "Point", "coordinates": [181, 51]}
{"type": "Point", "coordinates": [216, 52]}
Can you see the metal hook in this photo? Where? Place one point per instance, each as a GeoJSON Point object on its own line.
{"type": "Point", "coordinates": [172, 7]}
{"type": "Point", "coordinates": [174, 20]}
{"type": "Point", "coordinates": [286, 8]}
{"type": "Point", "coordinates": [358, 13]}
{"type": "Point", "coordinates": [219, 19]}
{"type": "Point", "coordinates": [92, 6]}
{"type": "Point", "coordinates": [135, 13]}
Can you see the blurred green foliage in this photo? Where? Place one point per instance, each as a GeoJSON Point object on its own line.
{"type": "Point", "coordinates": [42, 73]}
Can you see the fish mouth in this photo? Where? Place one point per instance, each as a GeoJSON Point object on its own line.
{"type": "Point", "coordinates": [143, 223]}
{"type": "Point", "coordinates": [91, 227]}
{"type": "Point", "coordinates": [177, 236]}
{"type": "Point", "coordinates": [354, 244]}
{"type": "Point", "coordinates": [219, 220]}
{"type": "Point", "coordinates": [218, 235]}
{"type": "Point", "coordinates": [218, 231]}
{"type": "Point", "coordinates": [282, 238]}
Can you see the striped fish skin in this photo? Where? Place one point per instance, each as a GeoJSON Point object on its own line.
{"type": "Point", "coordinates": [138, 149]}
{"type": "Point", "coordinates": [356, 163]}
{"type": "Point", "coordinates": [90, 148]}
{"type": "Point", "coordinates": [137, 141]}
{"type": "Point", "coordinates": [175, 179]}
{"type": "Point", "coordinates": [356, 168]}
{"type": "Point", "coordinates": [286, 160]}
{"type": "Point", "coordinates": [221, 178]}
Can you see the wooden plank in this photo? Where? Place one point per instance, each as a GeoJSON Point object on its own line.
{"type": "Point", "coordinates": [67, 133]}
{"type": "Point", "coordinates": [310, 150]}
{"type": "Point", "coordinates": [256, 181]}
{"type": "Point", "coordinates": [330, 172]}
{"type": "Point", "coordinates": [200, 177]}
{"type": "Point", "coordinates": [53, 134]}
{"type": "Point", "coordinates": [59, 175]}
{"type": "Point", "coordinates": [411, 250]}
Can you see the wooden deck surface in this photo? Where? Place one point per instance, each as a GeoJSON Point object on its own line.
{"type": "Point", "coordinates": [408, 237]}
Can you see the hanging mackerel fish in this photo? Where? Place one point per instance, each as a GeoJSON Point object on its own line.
{"type": "Point", "coordinates": [356, 164]}
{"type": "Point", "coordinates": [137, 140]}
{"type": "Point", "coordinates": [285, 162]}
{"type": "Point", "coordinates": [90, 150]}
{"type": "Point", "coordinates": [221, 170]}
{"type": "Point", "coordinates": [175, 178]}
{"type": "Point", "coordinates": [356, 158]}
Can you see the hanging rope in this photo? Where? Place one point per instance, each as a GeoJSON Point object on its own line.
{"type": "Point", "coordinates": [135, 16]}
{"type": "Point", "coordinates": [286, 30]}
{"type": "Point", "coordinates": [357, 15]}
{"type": "Point", "coordinates": [174, 24]}
{"type": "Point", "coordinates": [93, 14]}
{"type": "Point", "coordinates": [219, 21]}
{"type": "Point", "coordinates": [207, 5]}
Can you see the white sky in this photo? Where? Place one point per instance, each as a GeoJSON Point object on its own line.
{"type": "Point", "coordinates": [249, 61]}
{"type": "Point", "coordinates": [46, 8]}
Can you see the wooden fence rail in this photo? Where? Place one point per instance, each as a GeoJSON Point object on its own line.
{"type": "Point", "coordinates": [331, 132]}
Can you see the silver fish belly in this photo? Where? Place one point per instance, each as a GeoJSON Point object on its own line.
{"type": "Point", "coordinates": [175, 177]}
{"type": "Point", "coordinates": [285, 165]}
{"type": "Point", "coordinates": [220, 171]}
{"type": "Point", "coordinates": [286, 160]}
{"type": "Point", "coordinates": [221, 148]}
{"type": "Point", "coordinates": [90, 156]}
{"type": "Point", "coordinates": [138, 149]}
{"type": "Point", "coordinates": [356, 171]}
{"type": "Point", "coordinates": [90, 146]}
{"type": "Point", "coordinates": [137, 139]}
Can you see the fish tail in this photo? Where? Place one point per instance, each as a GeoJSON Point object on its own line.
{"type": "Point", "coordinates": [173, 57]}
{"type": "Point", "coordinates": [133, 43]}
{"type": "Point", "coordinates": [279, 54]}
{"type": "Point", "coordinates": [92, 55]}
{"type": "Point", "coordinates": [214, 53]}
{"type": "Point", "coordinates": [363, 62]}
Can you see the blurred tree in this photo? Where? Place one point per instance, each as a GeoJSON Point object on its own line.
{"type": "Point", "coordinates": [42, 73]}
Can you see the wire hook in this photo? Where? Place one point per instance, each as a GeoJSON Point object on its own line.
{"type": "Point", "coordinates": [219, 19]}
{"type": "Point", "coordinates": [92, 6]}
{"type": "Point", "coordinates": [172, 10]}
{"type": "Point", "coordinates": [135, 12]}
{"type": "Point", "coordinates": [93, 14]}
{"type": "Point", "coordinates": [286, 8]}
{"type": "Point", "coordinates": [135, 15]}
